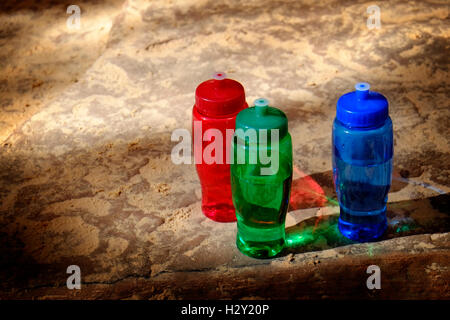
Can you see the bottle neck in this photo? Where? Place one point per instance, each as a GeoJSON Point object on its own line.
{"type": "Point", "coordinates": [362, 128]}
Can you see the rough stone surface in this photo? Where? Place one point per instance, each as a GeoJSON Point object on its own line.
{"type": "Point", "coordinates": [86, 176]}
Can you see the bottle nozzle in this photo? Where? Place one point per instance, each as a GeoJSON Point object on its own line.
{"type": "Point", "coordinates": [261, 105]}
{"type": "Point", "coordinates": [219, 75]}
{"type": "Point", "coordinates": [362, 90]}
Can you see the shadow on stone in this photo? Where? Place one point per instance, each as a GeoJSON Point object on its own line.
{"type": "Point", "coordinates": [405, 218]}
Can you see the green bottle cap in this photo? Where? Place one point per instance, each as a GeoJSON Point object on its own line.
{"type": "Point", "coordinates": [262, 116]}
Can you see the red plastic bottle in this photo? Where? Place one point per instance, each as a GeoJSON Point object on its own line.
{"type": "Point", "coordinates": [217, 103]}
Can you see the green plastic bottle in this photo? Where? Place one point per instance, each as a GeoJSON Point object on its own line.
{"type": "Point", "coordinates": [261, 176]}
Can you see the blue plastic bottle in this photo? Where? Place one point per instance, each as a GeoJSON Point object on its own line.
{"type": "Point", "coordinates": [362, 162]}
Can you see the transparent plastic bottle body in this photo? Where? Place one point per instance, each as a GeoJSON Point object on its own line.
{"type": "Point", "coordinates": [362, 172]}
{"type": "Point", "coordinates": [261, 201]}
{"type": "Point", "coordinates": [215, 177]}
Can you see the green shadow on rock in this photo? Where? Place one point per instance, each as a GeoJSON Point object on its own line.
{"type": "Point", "coordinates": [405, 218]}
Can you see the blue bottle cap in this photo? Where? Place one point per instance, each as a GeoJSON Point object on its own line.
{"type": "Point", "coordinates": [362, 108]}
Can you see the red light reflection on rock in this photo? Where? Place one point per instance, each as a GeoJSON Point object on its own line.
{"type": "Point", "coordinates": [306, 192]}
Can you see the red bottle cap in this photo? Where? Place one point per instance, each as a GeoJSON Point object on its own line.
{"type": "Point", "coordinates": [220, 96]}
